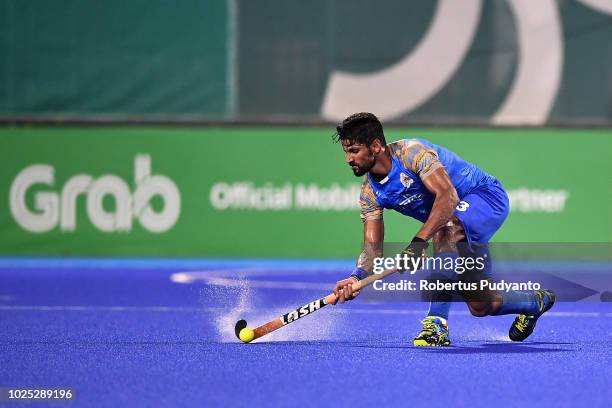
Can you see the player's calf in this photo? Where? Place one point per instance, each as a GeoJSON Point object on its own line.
{"type": "Point", "coordinates": [482, 303]}
{"type": "Point", "coordinates": [481, 309]}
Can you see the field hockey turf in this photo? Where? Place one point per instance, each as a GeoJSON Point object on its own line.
{"type": "Point", "coordinates": [160, 333]}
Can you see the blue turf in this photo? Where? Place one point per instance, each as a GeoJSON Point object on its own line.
{"type": "Point", "coordinates": [123, 334]}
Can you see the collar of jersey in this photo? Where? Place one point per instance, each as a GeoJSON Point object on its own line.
{"type": "Point", "coordinates": [386, 179]}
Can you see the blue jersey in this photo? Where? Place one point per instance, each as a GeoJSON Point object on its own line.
{"type": "Point", "coordinates": [403, 190]}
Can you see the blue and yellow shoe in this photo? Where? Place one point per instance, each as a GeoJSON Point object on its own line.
{"type": "Point", "coordinates": [523, 325]}
{"type": "Point", "coordinates": [434, 333]}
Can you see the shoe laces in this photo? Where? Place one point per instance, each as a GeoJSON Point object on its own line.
{"type": "Point", "coordinates": [522, 322]}
{"type": "Point", "coordinates": [429, 327]}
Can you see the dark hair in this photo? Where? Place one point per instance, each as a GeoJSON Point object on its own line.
{"type": "Point", "coordinates": [362, 127]}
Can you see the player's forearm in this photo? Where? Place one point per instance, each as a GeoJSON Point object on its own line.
{"type": "Point", "coordinates": [365, 262]}
{"type": "Point", "coordinates": [441, 213]}
{"type": "Point", "coordinates": [373, 238]}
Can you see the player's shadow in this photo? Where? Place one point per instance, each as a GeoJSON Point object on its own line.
{"type": "Point", "coordinates": [501, 348]}
{"type": "Point", "coordinates": [483, 348]}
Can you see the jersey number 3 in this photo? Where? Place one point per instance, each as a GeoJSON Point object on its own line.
{"type": "Point", "coordinates": [462, 206]}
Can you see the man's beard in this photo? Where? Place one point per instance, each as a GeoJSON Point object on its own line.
{"type": "Point", "coordinates": [361, 170]}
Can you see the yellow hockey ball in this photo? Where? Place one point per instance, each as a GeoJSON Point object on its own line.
{"type": "Point", "coordinates": [246, 335]}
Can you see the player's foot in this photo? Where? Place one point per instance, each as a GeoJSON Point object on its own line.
{"type": "Point", "coordinates": [434, 333]}
{"type": "Point", "coordinates": [523, 325]}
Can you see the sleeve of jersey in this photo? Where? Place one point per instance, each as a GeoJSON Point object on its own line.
{"type": "Point", "coordinates": [370, 210]}
{"type": "Point", "coordinates": [421, 160]}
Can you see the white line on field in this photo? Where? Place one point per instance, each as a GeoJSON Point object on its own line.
{"type": "Point", "coordinates": [239, 274]}
{"type": "Point", "coordinates": [268, 284]}
{"type": "Point", "coordinates": [105, 308]}
{"type": "Point", "coordinates": [173, 309]}
{"type": "Point", "coordinates": [216, 280]}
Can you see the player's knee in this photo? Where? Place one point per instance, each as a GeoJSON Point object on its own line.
{"type": "Point", "coordinates": [456, 230]}
{"type": "Point", "coordinates": [447, 237]}
{"type": "Point", "coordinates": [443, 241]}
{"type": "Point", "coordinates": [480, 309]}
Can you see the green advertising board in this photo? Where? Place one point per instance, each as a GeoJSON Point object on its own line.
{"type": "Point", "coordinates": [269, 191]}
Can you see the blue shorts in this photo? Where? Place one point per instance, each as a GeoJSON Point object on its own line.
{"type": "Point", "coordinates": [483, 211]}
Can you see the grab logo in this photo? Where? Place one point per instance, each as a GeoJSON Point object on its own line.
{"type": "Point", "coordinates": [53, 208]}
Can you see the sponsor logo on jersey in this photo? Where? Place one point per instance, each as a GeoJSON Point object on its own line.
{"type": "Point", "coordinates": [411, 198]}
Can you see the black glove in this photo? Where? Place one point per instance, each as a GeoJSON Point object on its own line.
{"type": "Point", "coordinates": [416, 249]}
